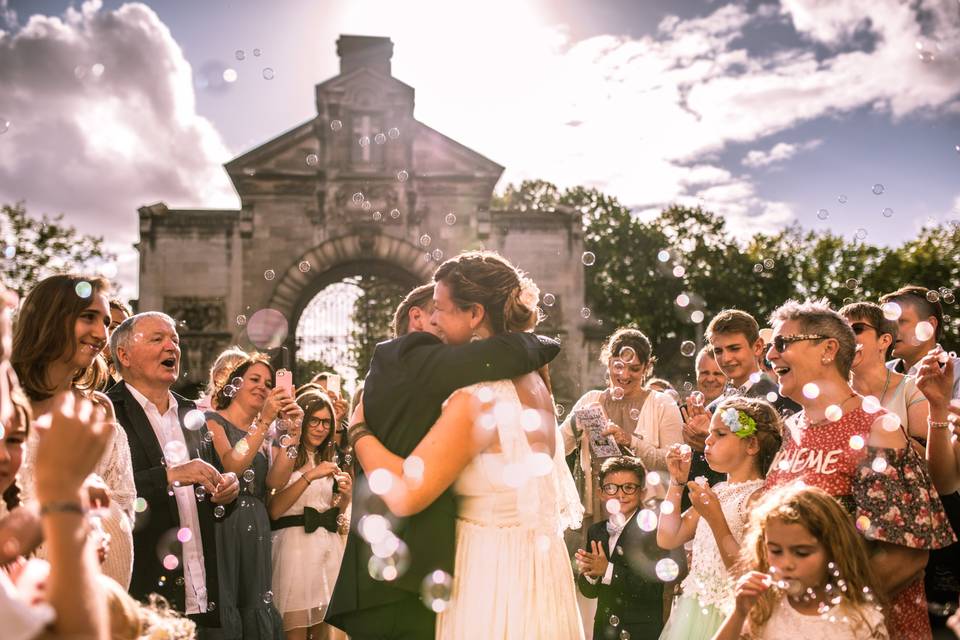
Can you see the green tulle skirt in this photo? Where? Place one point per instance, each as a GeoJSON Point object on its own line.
{"type": "Point", "coordinates": [689, 620]}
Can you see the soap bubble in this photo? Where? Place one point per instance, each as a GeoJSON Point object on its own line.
{"type": "Point", "coordinates": [380, 481]}
{"type": "Point", "coordinates": [402, 175]}
{"type": "Point", "coordinates": [256, 53]}
{"type": "Point", "coordinates": [357, 198]}
{"type": "Point", "coordinates": [304, 266]}
{"type": "Point", "coordinates": [336, 125]}
{"type": "Point", "coordinates": [667, 569]}
{"type": "Point", "coordinates": [84, 289]}
{"type": "Point", "coordinates": [585, 313]}
{"type": "Point", "coordinates": [379, 138]}
{"type": "Point", "coordinates": [833, 413]}
{"type": "Point", "coordinates": [194, 420]}
{"type": "Point", "coordinates": [697, 316]}
{"type": "Point", "coordinates": [425, 240]}
{"type": "Point", "coordinates": [697, 398]}
{"type": "Point", "coordinates": [852, 283]}
{"type": "Point", "coordinates": [230, 75]}
{"type": "Point", "coordinates": [842, 199]}
{"type": "Point", "coordinates": [393, 133]}
{"type": "Point", "coordinates": [877, 189]}
{"type": "Point", "coordinates": [823, 214]}
{"type": "Point", "coordinates": [267, 328]}
{"type": "Point", "coordinates": [614, 621]}
{"type": "Point", "coordinates": [549, 299]}
{"type": "Point", "coordinates": [436, 589]}
{"type": "Point", "coordinates": [887, 212]}
{"type": "Point", "coordinates": [617, 393]}
{"type": "Point", "coordinates": [312, 159]}
{"type": "Point", "coordinates": [588, 258]}
{"type": "Point", "coordinates": [678, 271]}
{"type": "Point", "coordinates": [811, 390]}
{"type": "Point", "coordinates": [891, 310]}
{"type": "Point", "coordinates": [768, 263]}
{"type": "Point", "coordinates": [239, 54]}
{"type": "Point", "coordinates": [663, 255]}
{"type": "Point", "coordinates": [267, 597]}
{"type": "Point", "coordinates": [394, 213]}
{"type": "Point", "coordinates": [924, 330]}
{"type": "Point", "coordinates": [857, 442]}
{"type": "Point", "coordinates": [175, 452]}
{"type": "Point", "coordinates": [688, 348]}
{"type": "Point", "coordinates": [268, 73]}
{"type": "Point", "coordinates": [879, 465]}
{"type": "Point", "coordinates": [933, 296]}
{"type": "Point", "coordinates": [450, 219]}
{"type": "Point", "coordinates": [269, 274]}
{"type": "Point", "coordinates": [647, 520]}
{"type": "Point", "coordinates": [249, 475]}
{"type": "Point", "coordinates": [871, 404]}
{"type": "Point", "coordinates": [627, 355]}
{"type": "Point", "coordinates": [682, 300]}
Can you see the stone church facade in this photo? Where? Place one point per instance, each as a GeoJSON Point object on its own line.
{"type": "Point", "coordinates": [362, 188]}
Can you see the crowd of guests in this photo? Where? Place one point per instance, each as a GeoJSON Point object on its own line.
{"type": "Point", "coordinates": [806, 485]}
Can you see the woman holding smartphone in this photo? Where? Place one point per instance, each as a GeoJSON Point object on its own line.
{"type": "Point", "coordinates": [245, 405]}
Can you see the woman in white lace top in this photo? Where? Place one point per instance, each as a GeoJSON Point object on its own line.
{"type": "Point", "coordinates": [744, 437]}
{"type": "Point", "coordinates": [60, 330]}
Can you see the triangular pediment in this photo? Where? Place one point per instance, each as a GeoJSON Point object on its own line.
{"type": "Point", "coordinates": [351, 89]}
{"type": "Point", "coordinates": [286, 153]}
{"type": "Point", "coordinates": [437, 155]}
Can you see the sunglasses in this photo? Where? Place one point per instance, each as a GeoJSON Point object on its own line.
{"type": "Point", "coordinates": [780, 343]}
{"type": "Point", "coordinates": [628, 488]}
{"type": "Point", "coordinates": [860, 327]}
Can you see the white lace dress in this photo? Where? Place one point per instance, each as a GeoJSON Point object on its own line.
{"type": "Point", "coordinates": [841, 622]}
{"type": "Point", "coordinates": [116, 470]}
{"type": "Point", "coordinates": [513, 577]}
{"type": "Point", "coordinates": [708, 588]}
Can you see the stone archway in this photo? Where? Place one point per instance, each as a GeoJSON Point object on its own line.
{"type": "Point", "coordinates": [336, 261]}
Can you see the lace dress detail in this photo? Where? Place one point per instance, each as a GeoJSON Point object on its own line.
{"type": "Point", "coordinates": [708, 579]}
{"type": "Point", "coordinates": [513, 578]}
{"type": "Point", "coordinates": [116, 470]}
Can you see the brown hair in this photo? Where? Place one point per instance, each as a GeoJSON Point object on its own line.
{"type": "Point", "coordinates": [311, 402]}
{"type": "Point", "coordinates": [821, 515]}
{"type": "Point", "coordinates": [769, 433]}
{"type": "Point", "coordinates": [23, 415]}
{"type": "Point", "coordinates": [488, 279]}
{"type": "Point", "coordinates": [222, 374]}
{"type": "Point", "coordinates": [873, 314]}
{"type": "Point", "coordinates": [734, 321]}
{"type": "Point", "coordinates": [419, 297]}
{"type": "Point", "coordinates": [120, 305]}
{"type": "Point", "coordinates": [917, 296]}
{"type": "Point", "coordinates": [628, 337]}
{"type": "Point", "coordinates": [44, 333]}
{"type": "Point", "coordinates": [623, 463]}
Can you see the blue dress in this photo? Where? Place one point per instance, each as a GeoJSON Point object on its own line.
{"type": "Point", "coordinates": [244, 554]}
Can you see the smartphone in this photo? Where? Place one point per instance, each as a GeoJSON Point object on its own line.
{"type": "Point", "coordinates": [683, 413]}
{"type": "Point", "coordinates": [333, 384]}
{"type": "Point", "coordinates": [285, 380]}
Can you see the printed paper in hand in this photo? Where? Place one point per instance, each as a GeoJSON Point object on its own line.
{"type": "Point", "coordinates": [592, 422]}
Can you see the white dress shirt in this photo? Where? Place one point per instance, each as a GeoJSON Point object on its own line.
{"type": "Point", "coordinates": [167, 429]}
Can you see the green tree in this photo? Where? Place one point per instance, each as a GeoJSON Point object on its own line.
{"type": "Point", "coordinates": [36, 248]}
{"type": "Point", "coordinates": [654, 275]}
{"type": "Point", "coordinates": [372, 315]}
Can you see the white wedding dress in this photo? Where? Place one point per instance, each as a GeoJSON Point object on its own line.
{"type": "Point", "coordinates": [513, 575]}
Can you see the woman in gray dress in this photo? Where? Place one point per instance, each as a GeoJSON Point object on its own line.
{"type": "Point", "coordinates": [245, 405]}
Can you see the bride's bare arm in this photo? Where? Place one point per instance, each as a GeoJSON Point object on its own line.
{"type": "Point", "coordinates": [445, 451]}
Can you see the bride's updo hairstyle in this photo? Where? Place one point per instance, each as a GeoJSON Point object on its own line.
{"type": "Point", "coordinates": [508, 297]}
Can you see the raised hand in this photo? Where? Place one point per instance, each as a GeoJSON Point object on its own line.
{"type": "Point", "coordinates": [227, 490]}
{"type": "Point", "coordinates": [679, 459]}
{"type": "Point", "coordinates": [705, 501]}
{"type": "Point", "coordinates": [748, 590]}
{"type": "Point", "coordinates": [935, 379]}
{"type": "Point", "coordinates": [592, 563]}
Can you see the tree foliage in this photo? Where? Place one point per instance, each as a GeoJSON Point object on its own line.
{"type": "Point", "coordinates": [35, 248]}
{"type": "Point", "coordinates": [643, 267]}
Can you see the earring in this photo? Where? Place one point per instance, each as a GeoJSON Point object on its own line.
{"type": "Point", "coordinates": [474, 337]}
{"type": "Point", "coordinates": [826, 360]}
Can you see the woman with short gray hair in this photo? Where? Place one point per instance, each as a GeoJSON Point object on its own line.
{"type": "Point", "coordinates": [843, 444]}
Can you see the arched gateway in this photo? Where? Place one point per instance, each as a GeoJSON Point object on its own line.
{"type": "Point", "coordinates": [361, 192]}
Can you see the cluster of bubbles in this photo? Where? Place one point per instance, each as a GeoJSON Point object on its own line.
{"type": "Point", "coordinates": [767, 264]}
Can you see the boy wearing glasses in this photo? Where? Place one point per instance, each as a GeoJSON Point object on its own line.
{"type": "Point", "coordinates": [620, 565]}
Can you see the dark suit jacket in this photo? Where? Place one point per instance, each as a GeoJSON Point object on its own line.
{"type": "Point", "coordinates": [161, 519]}
{"type": "Point", "coordinates": [635, 593]}
{"type": "Point", "coordinates": [409, 379]}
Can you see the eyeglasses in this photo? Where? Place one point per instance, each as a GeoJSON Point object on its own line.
{"type": "Point", "coordinates": [860, 327]}
{"type": "Point", "coordinates": [628, 488]}
{"type": "Point", "coordinates": [326, 423]}
{"type": "Point", "coordinates": [780, 342]}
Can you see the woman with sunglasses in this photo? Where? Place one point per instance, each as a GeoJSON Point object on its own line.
{"type": "Point", "coordinates": [894, 391]}
{"type": "Point", "coordinates": [845, 446]}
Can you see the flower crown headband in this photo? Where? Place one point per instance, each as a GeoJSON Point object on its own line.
{"type": "Point", "coordinates": [739, 423]}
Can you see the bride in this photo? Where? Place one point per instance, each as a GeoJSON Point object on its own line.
{"type": "Point", "coordinates": [496, 443]}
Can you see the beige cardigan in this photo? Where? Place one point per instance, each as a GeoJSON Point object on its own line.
{"type": "Point", "coordinates": [659, 426]}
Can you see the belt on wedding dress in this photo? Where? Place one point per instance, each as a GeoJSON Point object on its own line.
{"type": "Point", "coordinates": [310, 520]}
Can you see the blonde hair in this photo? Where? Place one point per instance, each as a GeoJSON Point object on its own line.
{"type": "Point", "coordinates": [827, 521]}
{"type": "Point", "coordinates": [231, 364]}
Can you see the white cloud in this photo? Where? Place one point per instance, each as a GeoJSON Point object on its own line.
{"type": "Point", "coordinates": [778, 153]}
{"type": "Point", "coordinates": [102, 121]}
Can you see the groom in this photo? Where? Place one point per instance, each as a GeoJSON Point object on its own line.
{"type": "Point", "coordinates": [410, 377]}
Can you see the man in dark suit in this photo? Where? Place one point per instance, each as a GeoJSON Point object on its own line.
{"type": "Point", "coordinates": [409, 379]}
{"type": "Point", "coordinates": [620, 565]}
{"type": "Point", "coordinates": [173, 541]}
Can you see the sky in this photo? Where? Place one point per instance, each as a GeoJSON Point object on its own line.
{"type": "Point", "coordinates": [767, 113]}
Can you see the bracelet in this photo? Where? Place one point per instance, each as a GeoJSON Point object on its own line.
{"type": "Point", "coordinates": [938, 425]}
{"type": "Point", "coordinates": [356, 432]}
{"type": "Point", "coordinates": [65, 506]}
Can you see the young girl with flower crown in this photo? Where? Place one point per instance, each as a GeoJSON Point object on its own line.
{"type": "Point", "coordinates": [744, 438]}
{"type": "Point", "coordinates": [808, 573]}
